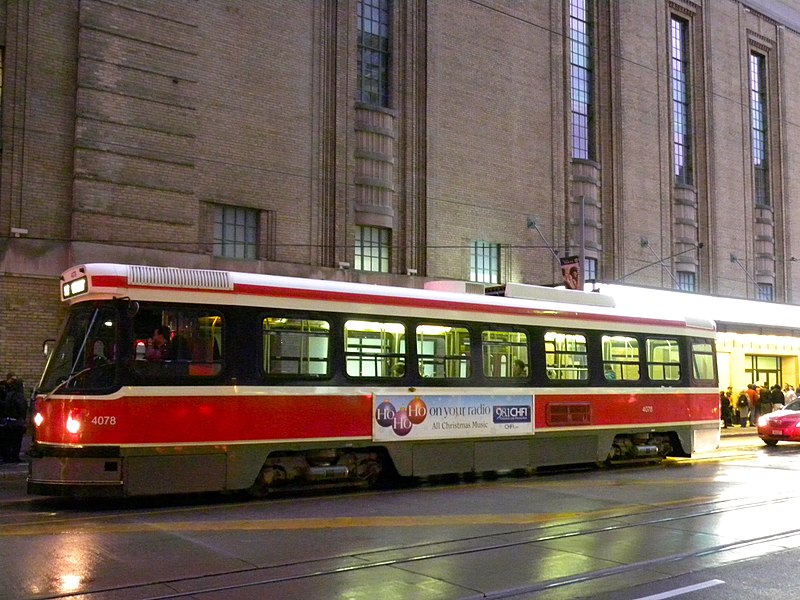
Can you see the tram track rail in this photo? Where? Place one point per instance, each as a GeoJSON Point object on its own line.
{"type": "Point", "coordinates": [218, 584]}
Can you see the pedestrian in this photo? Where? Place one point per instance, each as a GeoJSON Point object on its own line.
{"type": "Point", "coordinates": [776, 397]}
{"type": "Point", "coordinates": [788, 394]}
{"type": "Point", "coordinates": [753, 398]}
{"type": "Point", "coordinates": [768, 397]}
{"type": "Point", "coordinates": [743, 404]}
{"type": "Point", "coordinates": [14, 418]}
{"type": "Point", "coordinates": [732, 403]}
{"type": "Point", "coordinates": [725, 410]}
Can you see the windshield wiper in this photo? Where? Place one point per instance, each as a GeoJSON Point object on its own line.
{"type": "Point", "coordinates": [73, 377]}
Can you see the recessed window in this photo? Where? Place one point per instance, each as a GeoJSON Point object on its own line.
{"type": "Point", "coordinates": [687, 281]}
{"type": "Point", "coordinates": [235, 232]}
{"type": "Point", "coordinates": [681, 101]}
{"type": "Point", "coordinates": [373, 249]}
{"type": "Point", "coordinates": [2, 68]}
{"type": "Point", "coordinates": [374, 51]}
{"type": "Point", "coordinates": [581, 85]}
{"type": "Point", "coordinates": [759, 126]}
{"type": "Point", "coordinates": [766, 292]}
{"type": "Point", "coordinates": [485, 262]}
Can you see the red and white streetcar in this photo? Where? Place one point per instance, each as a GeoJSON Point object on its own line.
{"type": "Point", "coordinates": [261, 380]}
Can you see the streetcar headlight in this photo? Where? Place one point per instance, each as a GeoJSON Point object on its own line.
{"type": "Point", "coordinates": [38, 419]}
{"type": "Point", "coordinates": [73, 424]}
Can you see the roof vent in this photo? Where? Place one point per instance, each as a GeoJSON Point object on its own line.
{"type": "Point", "coordinates": [179, 278]}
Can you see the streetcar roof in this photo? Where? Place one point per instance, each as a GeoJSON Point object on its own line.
{"type": "Point", "coordinates": [148, 283]}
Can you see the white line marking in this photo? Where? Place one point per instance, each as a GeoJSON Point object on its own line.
{"type": "Point", "coordinates": [683, 590]}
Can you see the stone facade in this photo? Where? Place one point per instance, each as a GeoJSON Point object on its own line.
{"type": "Point", "coordinates": [124, 124]}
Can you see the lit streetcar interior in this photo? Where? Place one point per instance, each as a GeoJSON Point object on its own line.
{"type": "Point", "coordinates": [109, 344]}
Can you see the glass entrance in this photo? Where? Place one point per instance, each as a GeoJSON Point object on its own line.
{"type": "Point", "coordinates": [764, 370]}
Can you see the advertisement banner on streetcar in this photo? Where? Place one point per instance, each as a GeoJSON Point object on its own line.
{"type": "Point", "coordinates": [430, 417]}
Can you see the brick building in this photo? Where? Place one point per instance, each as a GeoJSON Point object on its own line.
{"type": "Point", "coordinates": [397, 141]}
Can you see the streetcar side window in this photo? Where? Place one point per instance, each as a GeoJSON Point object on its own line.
{"type": "Point", "coordinates": [444, 351]}
{"type": "Point", "coordinates": [504, 354]}
{"type": "Point", "coordinates": [566, 356]}
{"type": "Point", "coordinates": [703, 360]}
{"type": "Point", "coordinates": [663, 359]}
{"type": "Point", "coordinates": [620, 358]}
{"type": "Point", "coordinates": [374, 348]}
{"type": "Point", "coordinates": [296, 346]}
{"type": "Point", "coordinates": [192, 345]}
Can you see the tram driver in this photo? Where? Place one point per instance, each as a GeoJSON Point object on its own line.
{"type": "Point", "coordinates": [158, 347]}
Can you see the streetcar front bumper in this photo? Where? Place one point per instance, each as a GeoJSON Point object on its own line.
{"type": "Point", "coordinates": [60, 471]}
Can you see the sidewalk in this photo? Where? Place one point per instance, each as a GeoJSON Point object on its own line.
{"type": "Point", "coordinates": [20, 468]}
{"type": "Point", "coordinates": [736, 430]}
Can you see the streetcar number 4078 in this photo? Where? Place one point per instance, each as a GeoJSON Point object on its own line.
{"type": "Point", "coordinates": [106, 420]}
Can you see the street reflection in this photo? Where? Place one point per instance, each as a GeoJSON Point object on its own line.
{"type": "Point", "coordinates": [70, 583]}
{"type": "Point", "coordinates": [72, 559]}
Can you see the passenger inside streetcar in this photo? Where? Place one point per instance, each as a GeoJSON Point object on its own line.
{"type": "Point", "coordinates": [520, 368]}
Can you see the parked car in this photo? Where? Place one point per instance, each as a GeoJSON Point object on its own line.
{"type": "Point", "coordinates": [780, 425]}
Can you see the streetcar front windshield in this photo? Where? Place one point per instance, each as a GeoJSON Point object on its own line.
{"type": "Point", "coordinates": [85, 355]}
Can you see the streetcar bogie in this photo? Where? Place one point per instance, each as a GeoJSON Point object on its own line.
{"type": "Point", "coordinates": [645, 446]}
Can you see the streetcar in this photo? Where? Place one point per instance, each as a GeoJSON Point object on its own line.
{"type": "Point", "coordinates": [171, 380]}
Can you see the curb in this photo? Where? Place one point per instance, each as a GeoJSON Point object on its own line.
{"type": "Point", "coordinates": [20, 468]}
{"type": "Point", "coordinates": [738, 431]}
{"type": "Point", "coordinates": [13, 470]}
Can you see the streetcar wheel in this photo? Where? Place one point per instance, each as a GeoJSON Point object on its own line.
{"type": "Point", "coordinates": [771, 442]}
{"type": "Point", "coordinates": [369, 471]}
{"type": "Point", "coordinates": [377, 470]}
{"type": "Point", "coordinates": [267, 478]}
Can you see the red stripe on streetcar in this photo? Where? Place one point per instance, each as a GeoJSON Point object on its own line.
{"type": "Point", "coordinates": [193, 419]}
{"type": "Point", "coordinates": [217, 419]}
